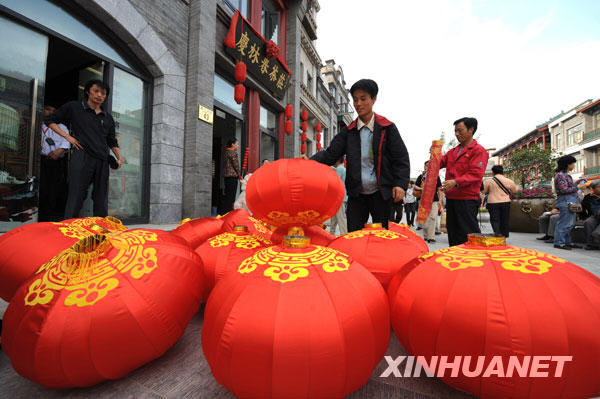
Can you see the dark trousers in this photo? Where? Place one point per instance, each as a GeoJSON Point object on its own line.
{"type": "Point", "coordinates": [53, 189]}
{"type": "Point", "coordinates": [230, 191]}
{"type": "Point", "coordinates": [461, 220]}
{"type": "Point", "coordinates": [359, 209]}
{"type": "Point", "coordinates": [411, 209]}
{"type": "Point", "coordinates": [83, 170]}
{"type": "Point", "coordinates": [499, 217]}
{"type": "Point", "coordinates": [396, 211]}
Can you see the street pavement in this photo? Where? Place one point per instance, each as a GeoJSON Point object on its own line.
{"type": "Point", "coordinates": [184, 372]}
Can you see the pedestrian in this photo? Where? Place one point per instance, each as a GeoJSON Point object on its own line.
{"type": "Point", "coordinates": [592, 223]}
{"type": "Point", "coordinates": [566, 195]}
{"type": "Point", "coordinates": [431, 222]}
{"type": "Point", "coordinates": [498, 190]}
{"type": "Point", "coordinates": [232, 174]}
{"type": "Point", "coordinates": [377, 161]}
{"type": "Point", "coordinates": [410, 204]}
{"type": "Point", "coordinates": [465, 166]}
{"type": "Point", "coordinates": [93, 134]}
{"type": "Point", "coordinates": [53, 171]}
{"type": "Point", "coordinates": [339, 219]}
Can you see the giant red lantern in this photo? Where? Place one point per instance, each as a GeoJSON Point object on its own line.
{"type": "Point", "coordinates": [306, 322]}
{"type": "Point", "coordinates": [382, 252]}
{"type": "Point", "coordinates": [223, 253]}
{"type": "Point", "coordinates": [294, 192]}
{"type": "Point", "coordinates": [196, 231]}
{"type": "Point", "coordinates": [405, 230]}
{"type": "Point", "coordinates": [241, 217]}
{"type": "Point", "coordinates": [24, 249]}
{"type": "Point", "coordinates": [317, 235]}
{"type": "Point", "coordinates": [102, 308]}
{"type": "Point", "coordinates": [502, 306]}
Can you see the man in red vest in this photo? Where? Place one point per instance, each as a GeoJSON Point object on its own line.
{"type": "Point", "coordinates": [465, 166]}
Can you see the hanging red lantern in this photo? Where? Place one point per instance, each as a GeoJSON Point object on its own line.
{"type": "Point", "coordinates": [405, 229]}
{"type": "Point", "coordinates": [24, 249]}
{"type": "Point", "coordinates": [304, 115]}
{"type": "Point", "coordinates": [318, 137]}
{"type": "Point", "coordinates": [239, 94]}
{"type": "Point", "coordinates": [288, 127]}
{"type": "Point", "coordinates": [319, 146]}
{"type": "Point", "coordinates": [317, 235]}
{"type": "Point", "coordinates": [102, 308]}
{"type": "Point", "coordinates": [294, 192]}
{"type": "Point", "coordinates": [381, 251]}
{"type": "Point", "coordinates": [295, 321]}
{"type": "Point", "coordinates": [196, 231]}
{"type": "Point", "coordinates": [303, 148]}
{"type": "Point", "coordinates": [303, 137]}
{"type": "Point", "coordinates": [318, 127]}
{"type": "Point", "coordinates": [289, 111]}
{"type": "Point", "coordinates": [507, 305]}
{"type": "Point", "coordinates": [241, 217]}
{"type": "Point", "coordinates": [223, 253]}
{"type": "Point", "coordinates": [272, 50]}
{"type": "Point", "coordinates": [240, 72]}
{"type": "Point", "coordinates": [304, 126]}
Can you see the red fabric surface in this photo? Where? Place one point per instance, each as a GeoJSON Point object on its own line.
{"type": "Point", "coordinates": [430, 183]}
{"type": "Point", "coordinates": [380, 251]}
{"type": "Point", "coordinates": [318, 336]}
{"type": "Point", "coordinates": [239, 94]}
{"type": "Point", "coordinates": [240, 72]}
{"type": "Point", "coordinates": [196, 231]}
{"type": "Point", "coordinates": [83, 319]}
{"type": "Point", "coordinates": [289, 111]}
{"type": "Point", "coordinates": [489, 301]}
{"type": "Point", "coordinates": [467, 169]}
{"type": "Point", "coordinates": [404, 229]}
{"type": "Point", "coordinates": [294, 192]}
{"type": "Point", "coordinates": [241, 217]}
{"type": "Point", "coordinates": [288, 127]}
{"type": "Point", "coordinates": [317, 235]}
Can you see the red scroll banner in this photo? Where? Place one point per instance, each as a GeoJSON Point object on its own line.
{"type": "Point", "coordinates": [429, 186]}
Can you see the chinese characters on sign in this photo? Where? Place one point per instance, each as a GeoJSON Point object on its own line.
{"type": "Point", "coordinates": [248, 46]}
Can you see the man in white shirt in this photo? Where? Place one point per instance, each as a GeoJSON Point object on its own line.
{"type": "Point", "coordinates": [53, 172]}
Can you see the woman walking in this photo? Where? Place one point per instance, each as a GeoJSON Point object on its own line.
{"type": "Point", "coordinates": [232, 174]}
{"type": "Point", "coordinates": [499, 189]}
{"type": "Point", "coordinates": [566, 193]}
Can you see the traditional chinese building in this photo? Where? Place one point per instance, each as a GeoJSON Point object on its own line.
{"type": "Point", "coordinates": [334, 76]}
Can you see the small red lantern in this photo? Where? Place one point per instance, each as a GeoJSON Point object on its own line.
{"type": "Point", "coordinates": [318, 127]}
{"type": "Point", "coordinates": [289, 111]}
{"type": "Point", "coordinates": [405, 229]}
{"type": "Point", "coordinates": [241, 217]}
{"type": "Point", "coordinates": [272, 50]}
{"type": "Point", "coordinates": [196, 231]}
{"type": "Point", "coordinates": [304, 126]}
{"type": "Point", "coordinates": [304, 115]}
{"type": "Point", "coordinates": [288, 127]}
{"type": "Point", "coordinates": [319, 146]}
{"type": "Point", "coordinates": [303, 137]}
{"type": "Point", "coordinates": [318, 137]}
{"type": "Point", "coordinates": [381, 251]}
{"type": "Point", "coordinates": [24, 249]}
{"type": "Point", "coordinates": [294, 192]}
{"type": "Point", "coordinates": [223, 253]}
{"type": "Point", "coordinates": [239, 94]}
{"type": "Point", "coordinates": [295, 321]}
{"type": "Point", "coordinates": [303, 148]}
{"type": "Point", "coordinates": [505, 305]}
{"type": "Point", "coordinates": [240, 72]}
{"type": "Point", "coordinates": [317, 235]}
{"type": "Point", "coordinates": [102, 308]}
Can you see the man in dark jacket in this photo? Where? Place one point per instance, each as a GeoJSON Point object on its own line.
{"type": "Point", "coordinates": [378, 166]}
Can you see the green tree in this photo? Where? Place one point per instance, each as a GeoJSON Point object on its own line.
{"type": "Point", "coordinates": [524, 159]}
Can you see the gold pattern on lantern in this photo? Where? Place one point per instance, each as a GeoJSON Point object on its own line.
{"type": "Point", "coordinates": [81, 228]}
{"type": "Point", "coordinates": [259, 226]}
{"type": "Point", "coordinates": [248, 241]}
{"type": "Point", "coordinates": [86, 279]}
{"type": "Point", "coordinates": [304, 217]}
{"type": "Point", "coordinates": [516, 259]}
{"type": "Point", "coordinates": [285, 267]}
{"type": "Point", "coordinates": [381, 233]}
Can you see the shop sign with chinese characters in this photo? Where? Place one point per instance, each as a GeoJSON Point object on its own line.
{"type": "Point", "coordinates": [251, 48]}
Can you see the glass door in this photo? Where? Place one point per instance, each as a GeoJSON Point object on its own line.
{"type": "Point", "coordinates": [22, 80]}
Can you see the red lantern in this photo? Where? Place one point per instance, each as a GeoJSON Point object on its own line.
{"type": "Point", "coordinates": [303, 148]}
{"type": "Point", "coordinates": [318, 127]}
{"type": "Point", "coordinates": [272, 50]}
{"type": "Point", "coordinates": [239, 94]}
{"type": "Point", "coordinates": [295, 322]}
{"type": "Point", "coordinates": [289, 111]}
{"type": "Point", "coordinates": [485, 298]}
{"type": "Point", "coordinates": [241, 217]}
{"type": "Point", "coordinates": [405, 229]}
{"type": "Point", "coordinates": [294, 192]}
{"type": "Point", "coordinates": [102, 308]}
{"type": "Point", "coordinates": [304, 115]}
{"type": "Point", "coordinates": [304, 126]}
{"type": "Point", "coordinates": [222, 254]}
{"type": "Point", "coordinates": [303, 137]}
{"type": "Point", "coordinates": [318, 137]}
{"type": "Point", "coordinates": [319, 147]}
{"type": "Point", "coordinates": [381, 251]}
{"type": "Point", "coordinates": [196, 231]}
{"type": "Point", "coordinates": [317, 235]}
{"type": "Point", "coordinates": [288, 127]}
{"type": "Point", "coordinates": [240, 72]}
{"type": "Point", "coordinates": [24, 249]}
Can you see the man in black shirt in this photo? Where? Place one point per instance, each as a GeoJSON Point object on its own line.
{"type": "Point", "coordinates": [93, 133]}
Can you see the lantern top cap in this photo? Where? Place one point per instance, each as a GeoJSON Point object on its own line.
{"type": "Point", "coordinates": [373, 226]}
{"type": "Point", "coordinates": [295, 241]}
{"type": "Point", "coordinates": [240, 229]}
{"type": "Point", "coordinates": [487, 240]}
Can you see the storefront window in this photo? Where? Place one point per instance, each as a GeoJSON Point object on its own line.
{"type": "Point", "coordinates": [233, 5]}
{"type": "Point", "coordinates": [268, 136]}
{"type": "Point", "coordinates": [574, 134]}
{"type": "Point", "coordinates": [270, 21]}
{"type": "Point", "coordinates": [267, 119]}
{"type": "Point", "coordinates": [125, 184]}
{"type": "Point", "coordinates": [224, 92]}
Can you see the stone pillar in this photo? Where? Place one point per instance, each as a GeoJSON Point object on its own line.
{"type": "Point", "coordinates": [198, 140]}
{"type": "Point", "coordinates": [292, 142]}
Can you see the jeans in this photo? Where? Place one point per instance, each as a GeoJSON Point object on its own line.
{"type": "Point", "coordinates": [566, 220]}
